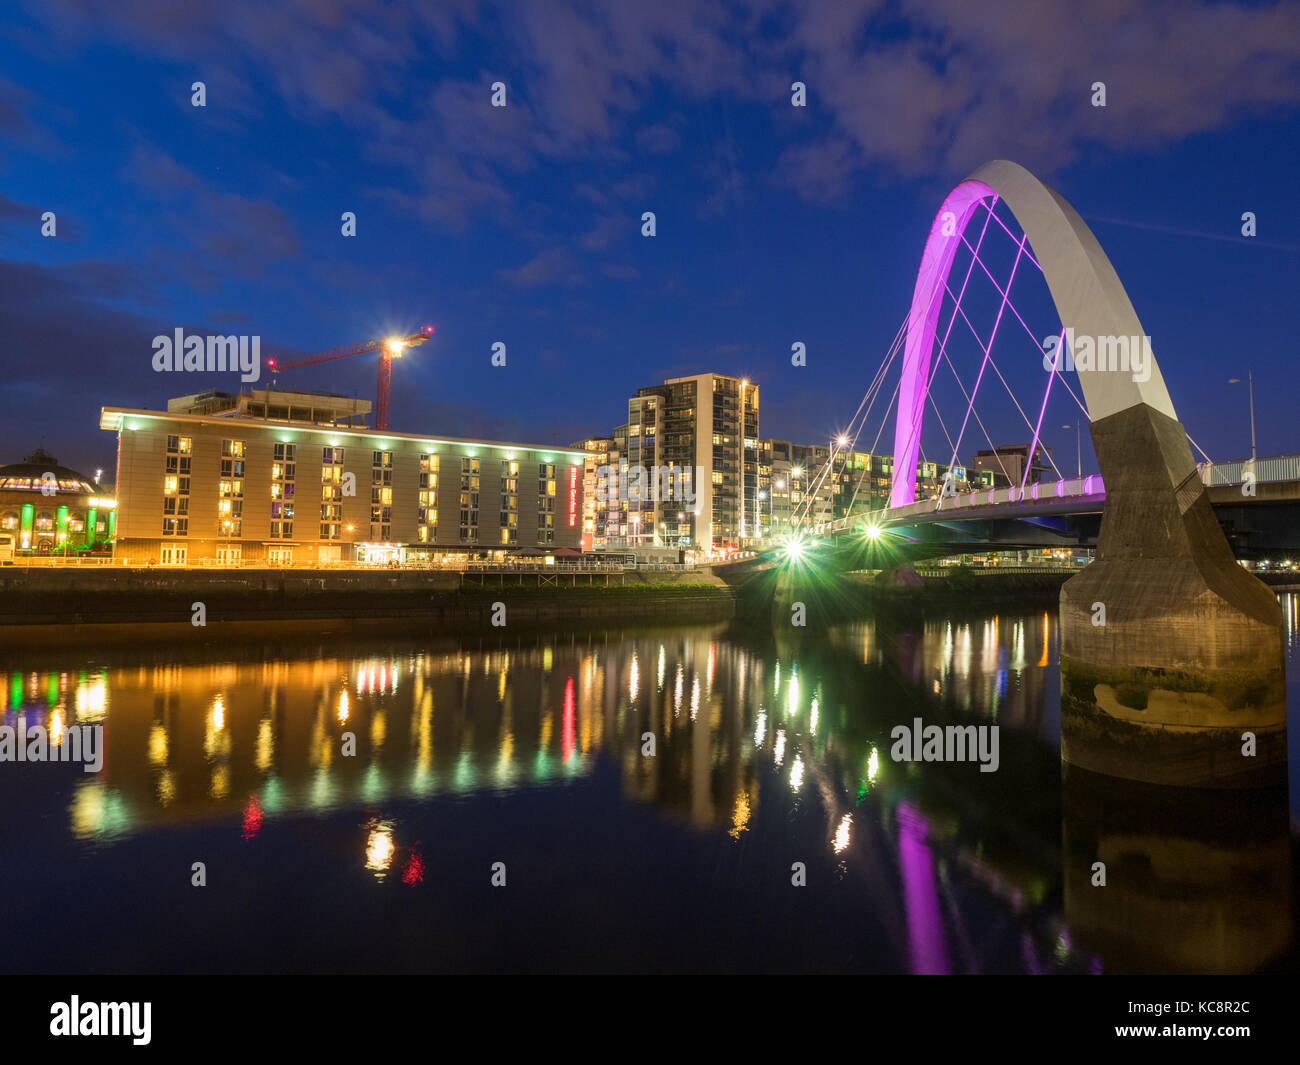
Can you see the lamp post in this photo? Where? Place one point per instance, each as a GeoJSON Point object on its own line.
{"type": "Point", "coordinates": [1078, 448]}
{"type": "Point", "coordinates": [1250, 388]}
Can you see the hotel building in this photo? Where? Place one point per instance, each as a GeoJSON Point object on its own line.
{"type": "Point", "coordinates": [209, 481]}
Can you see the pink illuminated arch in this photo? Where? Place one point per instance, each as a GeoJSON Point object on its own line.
{"type": "Point", "coordinates": [1085, 289]}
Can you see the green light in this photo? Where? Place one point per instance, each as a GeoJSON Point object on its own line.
{"type": "Point", "coordinates": [272, 796]}
{"type": "Point", "coordinates": [92, 520]}
{"type": "Point", "coordinates": [873, 532]}
{"type": "Point", "coordinates": [373, 787]}
{"type": "Point", "coordinates": [29, 518]}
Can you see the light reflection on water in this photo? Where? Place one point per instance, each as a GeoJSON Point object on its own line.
{"type": "Point", "coordinates": [748, 739]}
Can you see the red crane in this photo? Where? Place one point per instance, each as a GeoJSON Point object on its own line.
{"type": "Point", "coordinates": [389, 348]}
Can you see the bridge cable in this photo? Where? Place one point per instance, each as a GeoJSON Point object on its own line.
{"type": "Point", "coordinates": [1028, 424]}
{"type": "Point", "coordinates": [873, 390]}
{"type": "Point", "coordinates": [915, 431]}
{"type": "Point", "coordinates": [997, 322]}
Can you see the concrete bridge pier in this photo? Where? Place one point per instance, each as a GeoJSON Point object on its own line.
{"type": "Point", "coordinates": [1196, 881]}
{"type": "Point", "coordinates": [1171, 653]}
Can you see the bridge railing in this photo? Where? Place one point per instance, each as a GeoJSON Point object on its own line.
{"type": "Point", "coordinates": [1271, 469]}
{"type": "Point", "coordinates": [1266, 470]}
{"type": "Point", "coordinates": [1090, 487]}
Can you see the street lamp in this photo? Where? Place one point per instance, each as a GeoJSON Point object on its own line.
{"type": "Point", "coordinates": [1078, 452]}
{"type": "Point", "coordinates": [1250, 386]}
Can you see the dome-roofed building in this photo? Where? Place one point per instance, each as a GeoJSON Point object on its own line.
{"type": "Point", "coordinates": [49, 508]}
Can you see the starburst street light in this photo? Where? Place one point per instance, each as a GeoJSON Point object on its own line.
{"type": "Point", "coordinates": [794, 548]}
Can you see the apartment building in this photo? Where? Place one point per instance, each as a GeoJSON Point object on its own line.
{"type": "Point", "coordinates": [210, 482]}
{"type": "Point", "coordinates": [692, 464]}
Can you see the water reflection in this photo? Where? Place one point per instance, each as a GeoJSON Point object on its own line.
{"type": "Point", "coordinates": [964, 871]}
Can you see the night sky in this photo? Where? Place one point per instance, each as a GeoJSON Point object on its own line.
{"type": "Point", "coordinates": [522, 224]}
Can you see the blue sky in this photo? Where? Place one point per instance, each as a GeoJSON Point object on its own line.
{"type": "Point", "coordinates": [522, 224]}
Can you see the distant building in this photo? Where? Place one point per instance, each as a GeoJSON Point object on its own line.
{"type": "Point", "coordinates": [318, 408]}
{"type": "Point", "coordinates": [807, 490]}
{"type": "Point", "coordinates": [1007, 463]}
{"type": "Point", "coordinates": [48, 508]}
{"type": "Point", "coordinates": [211, 480]}
{"type": "Point", "coordinates": [792, 470]}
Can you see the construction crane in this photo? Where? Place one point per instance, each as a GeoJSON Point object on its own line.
{"type": "Point", "coordinates": [389, 348]}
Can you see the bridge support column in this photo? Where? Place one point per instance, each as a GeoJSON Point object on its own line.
{"type": "Point", "coordinates": [1170, 651]}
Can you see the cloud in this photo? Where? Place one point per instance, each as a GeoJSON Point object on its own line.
{"type": "Point", "coordinates": [940, 88]}
{"type": "Point", "coordinates": [606, 232]}
{"type": "Point", "coordinates": [153, 169]}
{"type": "Point", "coordinates": [821, 172]}
{"type": "Point", "coordinates": [240, 233]}
{"type": "Point", "coordinates": [58, 317]}
{"type": "Point", "coordinates": [551, 267]}
{"type": "Point", "coordinates": [1002, 78]}
{"type": "Point", "coordinates": [620, 273]}
{"type": "Point", "coordinates": [657, 139]}
{"type": "Point", "coordinates": [26, 220]}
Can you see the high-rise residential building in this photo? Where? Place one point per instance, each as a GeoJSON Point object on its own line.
{"type": "Point", "coordinates": [600, 508]}
{"type": "Point", "coordinates": [693, 463]}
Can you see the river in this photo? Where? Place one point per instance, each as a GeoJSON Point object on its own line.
{"type": "Point", "coordinates": [706, 798]}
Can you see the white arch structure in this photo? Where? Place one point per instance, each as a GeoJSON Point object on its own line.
{"type": "Point", "coordinates": [1085, 288]}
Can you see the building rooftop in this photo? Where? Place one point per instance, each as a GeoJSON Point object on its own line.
{"type": "Point", "coordinates": [29, 475]}
{"type": "Point", "coordinates": [127, 418]}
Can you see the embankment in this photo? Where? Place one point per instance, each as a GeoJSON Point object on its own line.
{"type": "Point", "coordinates": [60, 605]}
